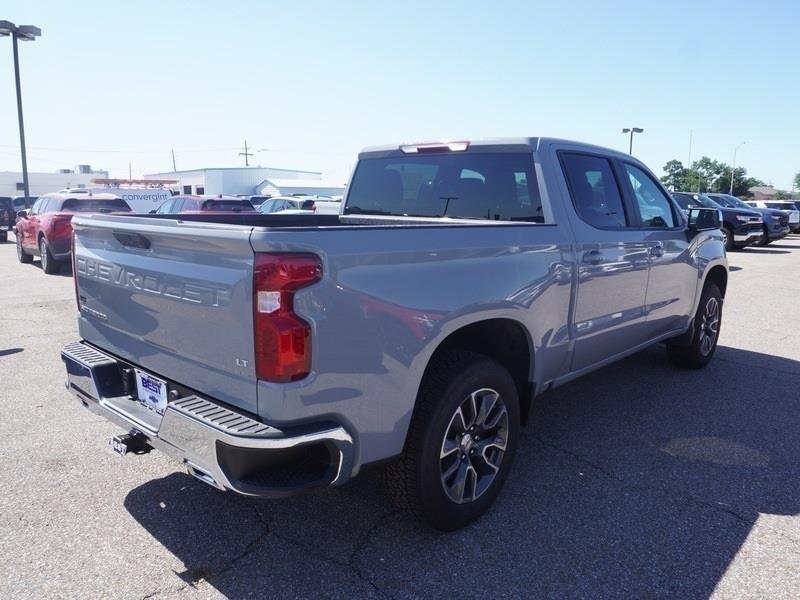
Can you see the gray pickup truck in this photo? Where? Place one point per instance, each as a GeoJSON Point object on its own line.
{"type": "Point", "coordinates": [275, 353]}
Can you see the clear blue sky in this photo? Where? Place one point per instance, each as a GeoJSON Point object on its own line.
{"type": "Point", "coordinates": [314, 82]}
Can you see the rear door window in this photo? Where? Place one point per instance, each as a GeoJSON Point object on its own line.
{"type": "Point", "coordinates": [499, 186]}
{"type": "Point", "coordinates": [594, 190]}
{"type": "Point", "coordinates": [166, 207]}
{"type": "Point", "coordinates": [95, 205]}
{"type": "Point", "coordinates": [655, 209]}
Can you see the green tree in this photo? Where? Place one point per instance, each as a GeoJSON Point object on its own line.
{"type": "Point", "coordinates": [708, 175]}
{"type": "Point", "coordinates": [675, 175]}
{"type": "Point", "coordinates": [797, 182]}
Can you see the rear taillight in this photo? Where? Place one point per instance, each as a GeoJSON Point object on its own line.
{"type": "Point", "coordinates": [62, 226]}
{"type": "Point", "coordinates": [74, 270]}
{"type": "Point", "coordinates": [282, 339]}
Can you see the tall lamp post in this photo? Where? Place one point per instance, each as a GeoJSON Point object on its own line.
{"type": "Point", "coordinates": [26, 33]}
{"type": "Point", "coordinates": [733, 169]}
{"type": "Point", "coordinates": [632, 130]}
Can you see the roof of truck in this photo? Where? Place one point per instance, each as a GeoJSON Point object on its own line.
{"type": "Point", "coordinates": [509, 144]}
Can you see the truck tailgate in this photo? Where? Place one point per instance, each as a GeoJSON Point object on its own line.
{"type": "Point", "coordinates": [172, 297]}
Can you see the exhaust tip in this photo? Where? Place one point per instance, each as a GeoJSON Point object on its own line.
{"type": "Point", "coordinates": [203, 476]}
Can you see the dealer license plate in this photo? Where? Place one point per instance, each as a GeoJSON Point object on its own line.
{"type": "Point", "coordinates": [152, 391]}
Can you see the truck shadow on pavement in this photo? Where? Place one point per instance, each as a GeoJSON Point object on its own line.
{"type": "Point", "coordinates": [638, 480]}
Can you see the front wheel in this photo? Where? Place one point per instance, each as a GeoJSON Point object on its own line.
{"type": "Point", "coordinates": [764, 241]}
{"type": "Point", "coordinates": [460, 443]}
{"type": "Point", "coordinates": [22, 256]}
{"type": "Point", "coordinates": [727, 238]}
{"type": "Point", "coordinates": [706, 325]}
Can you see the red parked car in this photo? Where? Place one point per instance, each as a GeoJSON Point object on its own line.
{"type": "Point", "coordinates": [203, 204]}
{"type": "Point", "coordinates": [45, 229]}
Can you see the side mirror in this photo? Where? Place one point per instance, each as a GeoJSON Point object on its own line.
{"type": "Point", "coordinates": [22, 214]}
{"type": "Point", "coordinates": [152, 212]}
{"type": "Point", "coordinates": [704, 219]}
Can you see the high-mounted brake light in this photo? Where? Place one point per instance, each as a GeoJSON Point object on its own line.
{"type": "Point", "coordinates": [282, 339]}
{"type": "Point", "coordinates": [434, 147]}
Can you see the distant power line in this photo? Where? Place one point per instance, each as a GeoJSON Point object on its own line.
{"type": "Point", "coordinates": [167, 151]}
{"type": "Point", "coordinates": [107, 151]}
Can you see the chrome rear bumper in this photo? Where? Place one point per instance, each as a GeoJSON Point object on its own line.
{"type": "Point", "coordinates": [218, 445]}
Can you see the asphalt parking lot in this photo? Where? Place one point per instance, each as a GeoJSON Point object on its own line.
{"type": "Point", "coordinates": [637, 481]}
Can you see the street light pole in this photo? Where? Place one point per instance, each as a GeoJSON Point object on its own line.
{"type": "Point", "coordinates": [632, 130]}
{"type": "Point", "coordinates": [25, 33]}
{"type": "Point", "coordinates": [25, 186]}
{"type": "Point", "coordinates": [733, 168]}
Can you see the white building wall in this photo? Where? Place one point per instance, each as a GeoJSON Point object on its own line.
{"type": "Point", "coordinates": [243, 180]}
{"type": "Point", "coordinates": [43, 183]}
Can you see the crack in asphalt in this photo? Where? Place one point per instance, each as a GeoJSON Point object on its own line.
{"type": "Point", "coordinates": [750, 366]}
{"type": "Point", "coordinates": [200, 575]}
{"type": "Point", "coordinates": [351, 561]}
{"type": "Point", "coordinates": [685, 494]}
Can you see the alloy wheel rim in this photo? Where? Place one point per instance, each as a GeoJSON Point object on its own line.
{"type": "Point", "coordinates": [19, 248]}
{"type": "Point", "coordinates": [473, 446]}
{"type": "Point", "coordinates": [709, 326]}
{"type": "Point", "coordinates": [43, 250]}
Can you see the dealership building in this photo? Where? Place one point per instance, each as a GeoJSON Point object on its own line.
{"type": "Point", "coordinates": [266, 181]}
{"type": "Point", "coordinates": [42, 183]}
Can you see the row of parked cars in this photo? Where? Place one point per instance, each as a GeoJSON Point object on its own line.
{"type": "Point", "coordinates": [42, 224]}
{"type": "Point", "coordinates": [745, 223]}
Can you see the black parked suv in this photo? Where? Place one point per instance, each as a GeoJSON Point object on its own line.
{"type": "Point", "coordinates": [776, 222]}
{"type": "Point", "coordinates": [6, 217]}
{"type": "Point", "coordinates": [741, 227]}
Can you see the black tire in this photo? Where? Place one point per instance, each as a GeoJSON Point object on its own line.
{"type": "Point", "coordinates": [729, 244]}
{"type": "Point", "coordinates": [697, 353]}
{"type": "Point", "coordinates": [417, 480]}
{"type": "Point", "coordinates": [49, 264]}
{"type": "Point", "coordinates": [22, 256]}
{"type": "Point", "coordinates": [764, 241]}
{"type": "Point", "coordinates": [3, 237]}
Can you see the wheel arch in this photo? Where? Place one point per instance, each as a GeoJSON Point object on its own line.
{"type": "Point", "coordinates": [719, 275]}
{"type": "Point", "coordinates": [503, 339]}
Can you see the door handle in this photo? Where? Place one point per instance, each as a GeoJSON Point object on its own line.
{"type": "Point", "coordinates": [657, 250]}
{"type": "Point", "coordinates": [593, 257]}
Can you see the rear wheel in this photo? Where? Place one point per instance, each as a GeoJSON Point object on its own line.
{"type": "Point", "coordinates": [22, 256]}
{"type": "Point", "coordinates": [3, 236]}
{"type": "Point", "coordinates": [49, 264]}
{"type": "Point", "coordinates": [698, 353]}
{"type": "Point", "coordinates": [460, 443]}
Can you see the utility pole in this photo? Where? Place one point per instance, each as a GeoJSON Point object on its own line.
{"type": "Point", "coordinates": [174, 168]}
{"type": "Point", "coordinates": [733, 168]}
{"type": "Point", "coordinates": [25, 33]}
{"type": "Point", "coordinates": [246, 155]}
{"type": "Point", "coordinates": [129, 172]}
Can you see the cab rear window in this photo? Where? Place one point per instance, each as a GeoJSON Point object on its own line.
{"type": "Point", "coordinates": [496, 186]}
